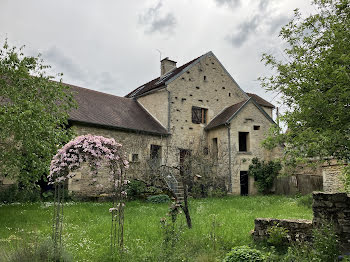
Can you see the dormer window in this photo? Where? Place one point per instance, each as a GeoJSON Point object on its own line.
{"type": "Point", "coordinates": [199, 115]}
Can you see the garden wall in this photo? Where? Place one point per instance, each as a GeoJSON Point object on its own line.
{"type": "Point", "coordinates": [327, 207]}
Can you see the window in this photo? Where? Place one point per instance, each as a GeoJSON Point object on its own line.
{"type": "Point", "coordinates": [135, 158]}
{"type": "Point", "coordinates": [156, 154]}
{"type": "Point", "coordinates": [215, 148]}
{"type": "Point", "coordinates": [256, 127]}
{"type": "Point", "coordinates": [243, 141]}
{"type": "Point", "coordinates": [199, 115]}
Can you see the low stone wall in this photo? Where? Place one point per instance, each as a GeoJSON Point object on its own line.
{"type": "Point", "coordinates": [298, 229]}
{"type": "Point", "coordinates": [333, 208]}
{"type": "Point", "coordinates": [327, 208]}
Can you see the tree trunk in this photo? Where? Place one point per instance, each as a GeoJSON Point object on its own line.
{"type": "Point", "coordinates": [185, 208]}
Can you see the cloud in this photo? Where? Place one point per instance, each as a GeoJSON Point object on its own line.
{"type": "Point", "coordinates": [230, 3]}
{"type": "Point", "coordinates": [155, 22]}
{"type": "Point", "coordinates": [265, 21]}
{"type": "Point", "coordinates": [277, 23]}
{"type": "Point", "coordinates": [59, 60]}
{"type": "Point", "coordinates": [245, 29]}
{"type": "Point", "coordinates": [102, 81]}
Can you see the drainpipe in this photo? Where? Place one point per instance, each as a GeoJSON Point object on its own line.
{"type": "Point", "coordinates": [229, 157]}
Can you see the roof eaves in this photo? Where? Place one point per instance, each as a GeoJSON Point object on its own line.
{"type": "Point", "coordinates": [119, 128]}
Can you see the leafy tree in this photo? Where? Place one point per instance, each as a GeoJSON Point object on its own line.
{"type": "Point", "coordinates": [33, 116]}
{"type": "Point", "coordinates": [314, 80]}
{"type": "Point", "coordinates": [264, 173]}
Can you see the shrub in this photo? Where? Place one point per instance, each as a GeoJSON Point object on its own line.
{"type": "Point", "coordinates": [323, 249]}
{"type": "Point", "coordinates": [136, 189]}
{"type": "Point", "coordinates": [42, 252]}
{"type": "Point", "coordinates": [305, 201]}
{"type": "Point", "coordinates": [264, 173]}
{"type": "Point", "coordinates": [244, 254]}
{"type": "Point", "coordinates": [15, 193]}
{"type": "Point", "coordinates": [157, 199]}
{"type": "Point", "coordinates": [277, 237]}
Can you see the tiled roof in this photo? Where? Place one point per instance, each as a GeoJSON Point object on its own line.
{"type": "Point", "coordinates": [225, 115]}
{"type": "Point", "coordinates": [260, 100]}
{"type": "Point", "coordinates": [159, 81]}
{"type": "Point", "coordinates": [102, 109]}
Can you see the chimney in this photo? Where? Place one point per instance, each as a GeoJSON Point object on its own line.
{"type": "Point", "coordinates": [166, 65]}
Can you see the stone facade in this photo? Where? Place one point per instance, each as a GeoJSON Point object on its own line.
{"type": "Point", "coordinates": [208, 86]}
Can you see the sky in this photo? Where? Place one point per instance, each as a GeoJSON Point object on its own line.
{"type": "Point", "coordinates": [114, 46]}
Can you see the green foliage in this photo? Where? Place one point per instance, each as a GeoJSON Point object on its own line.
{"type": "Point", "coordinates": [33, 116]}
{"type": "Point", "coordinates": [264, 173]}
{"type": "Point", "coordinates": [305, 200]}
{"type": "Point", "coordinates": [244, 254]}
{"type": "Point", "coordinates": [325, 242]}
{"type": "Point", "coordinates": [314, 83]}
{"type": "Point", "coordinates": [325, 247]}
{"type": "Point", "coordinates": [136, 189]}
{"type": "Point", "coordinates": [88, 223]}
{"type": "Point", "coordinates": [277, 237]}
{"type": "Point", "coordinates": [157, 199]}
{"type": "Point", "coordinates": [39, 252]}
{"type": "Point", "coordinates": [14, 193]}
{"type": "Point", "coordinates": [345, 178]}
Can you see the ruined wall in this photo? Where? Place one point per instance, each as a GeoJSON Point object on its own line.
{"type": "Point", "coordinates": [298, 229]}
{"type": "Point", "coordinates": [330, 208]}
{"type": "Point", "coordinates": [334, 208]}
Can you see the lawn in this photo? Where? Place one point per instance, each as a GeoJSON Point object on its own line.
{"type": "Point", "coordinates": [218, 225]}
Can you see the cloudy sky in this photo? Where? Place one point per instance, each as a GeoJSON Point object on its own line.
{"type": "Point", "coordinates": [111, 45]}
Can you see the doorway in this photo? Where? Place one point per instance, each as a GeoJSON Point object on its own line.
{"type": "Point", "coordinates": [244, 181]}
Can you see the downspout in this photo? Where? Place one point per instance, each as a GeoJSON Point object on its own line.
{"type": "Point", "coordinates": [168, 137]}
{"type": "Point", "coordinates": [229, 157]}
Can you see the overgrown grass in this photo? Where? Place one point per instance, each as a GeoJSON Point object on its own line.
{"type": "Point", "coordinates": [87, 227]}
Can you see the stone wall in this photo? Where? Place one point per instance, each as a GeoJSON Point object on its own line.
{"type": "Point", "coordinates": [298, 229]}
{"type": "Point", "coordinates": [334, 208]}
{"type": "Point", "coordinates": [331, 208]}
{"type": "Point", "coordinates": [331, 172]}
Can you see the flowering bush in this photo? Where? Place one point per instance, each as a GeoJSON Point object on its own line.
{"type": "Point", "coordinates": [90, 149]}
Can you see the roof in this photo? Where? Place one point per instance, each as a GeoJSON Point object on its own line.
{"type": "Point", "coordinates": [260, 100]}
{"type": "Point", "coordinates": [225, 115]}
{"type": "Point", "coordinates": [160, 81]}
{"type": "Point", "coordinates": [230, 112]}
{"type": "Point", "coordinates": [107, 110]}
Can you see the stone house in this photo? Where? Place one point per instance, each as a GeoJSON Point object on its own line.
{"type": "Point", "coordinates": [198, 104]}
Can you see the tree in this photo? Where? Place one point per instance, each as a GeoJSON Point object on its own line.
{"type": "Point", "coordinates": [33, 116]}
{"type": "Point", "coordinates": [314, 81]}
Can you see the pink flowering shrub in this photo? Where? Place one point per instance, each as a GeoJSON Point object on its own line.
{"type": "Point", "coordinates": [91, 149]}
